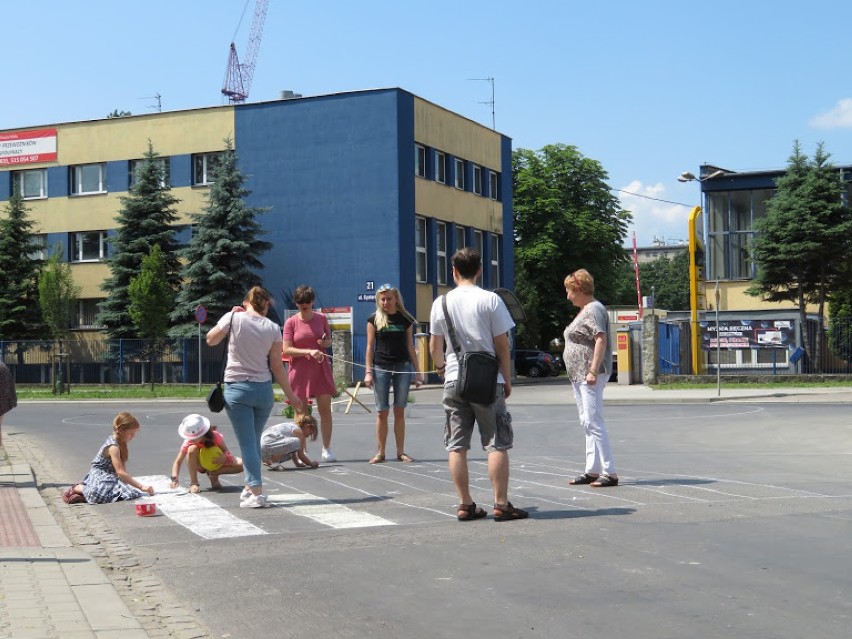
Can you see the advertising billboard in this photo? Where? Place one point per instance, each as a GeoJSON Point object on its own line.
{"type": "Point", "coordinates": [27, 147]}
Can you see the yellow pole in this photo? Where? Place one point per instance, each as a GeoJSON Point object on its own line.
{"type": "Point", "coordinates": [694, 247]}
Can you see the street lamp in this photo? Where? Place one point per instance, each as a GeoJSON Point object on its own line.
{"type": "Point", "coordinates": [686, 176]}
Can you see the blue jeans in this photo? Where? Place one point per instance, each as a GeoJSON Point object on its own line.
{"type": "Point", "coordinates": [248, 405]}
{"type": "Point", "coordinates": [385, 375]}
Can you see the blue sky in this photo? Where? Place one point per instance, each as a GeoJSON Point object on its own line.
{"type": "Point", "coordinates": [649, 89]}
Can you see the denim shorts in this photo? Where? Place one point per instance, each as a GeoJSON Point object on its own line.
{"type": "Point", "coordinates": [399, 376]}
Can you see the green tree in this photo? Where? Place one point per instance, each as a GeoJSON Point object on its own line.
{"type": "Point", "coordinates": [20, 318]}
{"type": "Point", "coordinates": [222, 258]}
{"type": "Point", "coordinates": [151, 301]}
{"type": "Point", "coordinates": [57, 294]}
{"type": "Point", "coordinates": [119, 114]}
{"type": "Point", "coordinates": [144, 221]}
{"type": "Point", "coordinates": [802, 244]}
{"type": "Point", "coordinates": [668, 279]}
{"type": "Point", "coordinates": [565, 218]}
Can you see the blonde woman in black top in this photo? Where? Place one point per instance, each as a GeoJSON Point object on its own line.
{"type": "Point", "coordinates": [390, 361]}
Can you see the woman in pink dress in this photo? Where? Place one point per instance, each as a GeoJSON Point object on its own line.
{"type": "Point", "coordinates": [306, 336]}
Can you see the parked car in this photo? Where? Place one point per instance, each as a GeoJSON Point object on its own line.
{"type": "Point", "coordinates": [535, 363]}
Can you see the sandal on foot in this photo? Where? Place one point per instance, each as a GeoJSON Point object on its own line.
{"type": "Point", "coordinates": [585, 478]}
{"type": "Point", "coordinates": [404, 458]}
{"type": "Point", "coordinates": [508, 512]}
{"type": "Point", "coordinates": [605, 481]}
{"type": "Point", "coordinates": [469, 513]}
{"type": "Point", "coordinates": [377, 459]}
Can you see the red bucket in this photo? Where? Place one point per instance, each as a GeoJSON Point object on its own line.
{"type": "Point", "coordinates": [146, 508]}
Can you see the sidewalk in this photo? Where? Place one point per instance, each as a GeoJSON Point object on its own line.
{"type": "Point", "coordinates": [48, 588]}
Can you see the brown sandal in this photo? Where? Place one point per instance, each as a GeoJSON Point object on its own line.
{"type": "Point", "coordinates": [585, 478]}
{"type": "Point", "coordinates": [403, 457]}
{"type": "Point", "coordinates": [508, 512]}
{"type": "Point", "coordinates": [377, 459]}
{"type": "Point", "coordinates": [470, 512]}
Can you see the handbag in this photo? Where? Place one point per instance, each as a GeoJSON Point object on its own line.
{"type": "Point", "coordinates": [477, 370]}
{"type": "Point", "coordinates": [216, 396]}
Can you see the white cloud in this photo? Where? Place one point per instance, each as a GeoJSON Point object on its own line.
{"type": "Point", "coordinates": [653, 219]}
{"type": "Point", "coordinates": [840, 117]}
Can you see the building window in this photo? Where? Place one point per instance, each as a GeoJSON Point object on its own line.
{"type": "Point", "coordinates": [461, 240]}
{"type": "Point", "coordinates": [165, 180]}
{"type": "Point", "coordinates": [730, 224]}
{"type": "Point", "coordinates": [478, 243]}
{"type": "Point", "coordinates": [440, 167]}
{"type": "Point", "coordinates": [87, 312]}
{"type": "Point", "coordinates": [420, 160]}
{"type": "Point", "coordinates": [477, 179]}
{"type": "Point", "coordinates": [441, 253]}
{"type": "Point", "coordinates": [39, 245]}
{"type": "Point", "coordinates": [203, 165]}
{"type": "Point", "coordinates": [89, 246]}
{"type": "Point", "coordinates": [32, 185]}
{"type": "Point", "coordinates": [420, 249]}
{"type": "Point", "coordinates": [494, 272]}
{"type": "Point", "coordinates": [459, 177]}
{"type": "Point", "coordinates": [492, 185]}
{"type": "Point", "coordinates": [87, 179]}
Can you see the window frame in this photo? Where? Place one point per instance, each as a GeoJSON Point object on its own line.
{"type": "Point", "coordinates": [419, 160]}
{"type": "Point", "coordinates": [458, 178]}
{"type": "Point", "coordinates": [440, 167]}
{"type": "Point", "coordinates": [441, 259]}
{"type": "Point", "coordinates": [87, 309]}
{"type": "Point", "coordinates": [493, 185]}
{"type": "Point", "coordinates": [494, 270]}
{"type": "Point", "coordinates": [19, 178]}
{"type": "Point", "coordinates": [461, 234]}
{"type": "Point", "coordinates": [477, 179]}
{"type": "Point", "coordinates": [78, 181]}
{"type": "Point", "coordinates": [76, 242]}
{"type": "Point", "coordinates": [421, 245]}
{"type": "Point", "coordinates": [206, 168]}
{"type": "Point", "coordinates": [165, 165]}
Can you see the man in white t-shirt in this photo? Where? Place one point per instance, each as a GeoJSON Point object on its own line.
{"type": "Point", "coordinates": [482, 323]}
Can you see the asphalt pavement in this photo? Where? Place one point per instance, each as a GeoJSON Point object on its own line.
{"type": "Point", "coordinates": [64, 578]}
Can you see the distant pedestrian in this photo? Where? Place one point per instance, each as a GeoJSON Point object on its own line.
{"type": "Point", "coordinates": [8, 396]}
{"type": "Point", "coordinates": [108, 480]}
{"type": "Point", "coordinates": [205, 452]}
{"type": "Point", "coordinates": [588, 361]}
{"type": "Point", "coordinates": [254, 360]}
{"type": "Point", "coordinates": [391, 361]}
{"type": "Point", "coordinates": [482, 323]}
{"type": "Point", "coordinates": [306, 337]}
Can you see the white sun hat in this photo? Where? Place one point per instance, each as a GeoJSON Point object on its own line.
{"type": "Point", "coordinates": [193, 426]}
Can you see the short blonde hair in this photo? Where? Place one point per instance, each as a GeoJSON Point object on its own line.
{"type": "Point", "coordinates": [307, 420]}
{"type": "Point", "coordinates": [580, 280]}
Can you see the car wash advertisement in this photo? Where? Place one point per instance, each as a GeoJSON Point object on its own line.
{"type": "Point", "coordinates": [747, 334]}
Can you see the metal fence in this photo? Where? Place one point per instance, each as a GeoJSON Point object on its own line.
{"type": "Point", "coordinates": [125, 361]}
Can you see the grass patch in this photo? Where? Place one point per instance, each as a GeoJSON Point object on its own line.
{"type": "Point", "coordinates": [117, 391]}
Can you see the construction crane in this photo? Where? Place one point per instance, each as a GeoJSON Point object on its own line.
{"type": "Point", "coordinates": [239, 75]}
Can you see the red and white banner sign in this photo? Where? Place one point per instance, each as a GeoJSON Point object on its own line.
{"type": "Point", "coordinates": [27, 147]}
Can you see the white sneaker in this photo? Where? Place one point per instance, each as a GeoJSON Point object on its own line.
{"type": "Point", "coordinates": [245, 494]}
{"type": "Point", "coordinates": [254, 501]}
{"type": "Point", "coordinates": [328, 456]}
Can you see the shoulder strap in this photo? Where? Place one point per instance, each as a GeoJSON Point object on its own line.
{"type": "Point", "coordinates": [451, 330]}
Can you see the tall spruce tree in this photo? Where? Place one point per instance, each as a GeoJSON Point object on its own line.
{"type": "Point", "coordinates": [145, 219]}
{"type": "Point", "coordinates": [802, 244]}
{"type": "Point", "coordinates": [20, 315]}
{"type": "Point", "coordinates": [222, 260]}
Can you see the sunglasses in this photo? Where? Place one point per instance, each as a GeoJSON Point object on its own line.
{"type": "Point", "coordinates": [385, 287]}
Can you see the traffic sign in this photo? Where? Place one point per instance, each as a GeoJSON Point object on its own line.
{"type": "Point", "coordinates": [200, 314]}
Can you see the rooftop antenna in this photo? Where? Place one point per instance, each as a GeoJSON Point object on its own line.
{"type": "Point", "coordinates": [491, 101]}
{"type": "Point", "coordinates": [158, 105]}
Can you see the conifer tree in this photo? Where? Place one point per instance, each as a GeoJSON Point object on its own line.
{"type": "Point", "coordinates": [20, 315]}
{"type": "Point", "coordinates": [222, 260]}
{"type": "Point", "coordinates": [802, 244]}
{"type": "Point", "coordinates": [144, 220]}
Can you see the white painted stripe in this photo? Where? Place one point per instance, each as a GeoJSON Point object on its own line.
{"type": "Point", "coordinates": [196, 513]}
{"type": "Point", "coordinates": [327, 512]}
